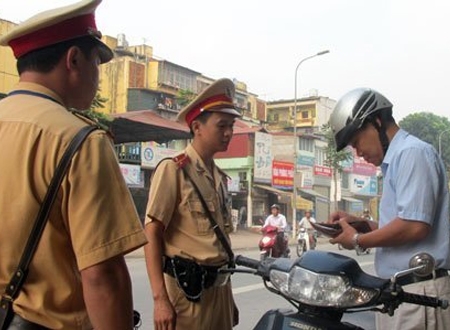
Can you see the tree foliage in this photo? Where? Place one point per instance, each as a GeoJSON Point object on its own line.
{"type": "Point", "coordinates": [334, 159]}
{"type": "Point", "coordinates": [98, 103]}
{"type": "Point", "coordinates": [429, 128]}
{"type": "Point", "coordinates": [101, 118]}
{"type": "Point", "coordinates": [184, 96]}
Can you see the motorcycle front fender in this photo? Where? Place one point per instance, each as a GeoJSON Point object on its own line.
{"type": "Point", "coordinates": [288, 319]}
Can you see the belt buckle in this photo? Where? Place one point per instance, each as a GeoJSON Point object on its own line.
{"type": "Point", "coordinates": [222, 277]}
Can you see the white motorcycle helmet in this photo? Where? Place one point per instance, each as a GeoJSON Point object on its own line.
{"type": "Point", "coordinates": [354, 109]}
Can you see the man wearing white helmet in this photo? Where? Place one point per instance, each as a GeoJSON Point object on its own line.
{"type": "Point", "coordinates": [276, 219]}
{"type": "Point", "coordinates": [414, 206]}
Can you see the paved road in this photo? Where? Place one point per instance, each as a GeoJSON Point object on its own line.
{"type": "Point", "coordinates": [251, 296]}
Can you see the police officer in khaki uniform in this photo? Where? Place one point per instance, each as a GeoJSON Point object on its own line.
{"type": "Point", "coordinates": [77, 278]}
{"type": "Point", "coordinates": [178, 228]}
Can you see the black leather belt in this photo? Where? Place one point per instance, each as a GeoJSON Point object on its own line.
{"type": "Point", "coordinates": [19, 323]}
{"type": "Point", "coordinates": [210, 272]}
{"type": "Point", "coordinates": [411, 278]}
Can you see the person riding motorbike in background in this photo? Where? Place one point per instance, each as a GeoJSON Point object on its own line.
{"type": "Point", "coordinates": [276, 219]}
{"type": "Point", "coordinates": [305, 222]}
{"type": "Point", "coordinates": [414, 206]}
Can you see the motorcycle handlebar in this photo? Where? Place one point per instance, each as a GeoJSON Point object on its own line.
{"type": "Point", "coordinates": [423, 300]}
{"type": "Point", "coordinates": [247, 262]}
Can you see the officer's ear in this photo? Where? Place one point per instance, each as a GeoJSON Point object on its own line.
{"type": "Point", "coordinates": [195, 126]}
{"type": "Point", "coordinates": [72, 58]}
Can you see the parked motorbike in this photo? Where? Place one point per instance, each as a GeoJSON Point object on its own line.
{"type": "Point", "coordinates": [268, 246]}
{"type": "Point", "coordinates": [322, 286]}
{"type": "Point", "coordinates": [305, 241]}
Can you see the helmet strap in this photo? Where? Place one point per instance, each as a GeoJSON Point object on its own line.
{"type": "Point", "coordinates": [381, 133]}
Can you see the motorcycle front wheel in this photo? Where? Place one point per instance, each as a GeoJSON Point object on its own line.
{"type": "Point", "coordinates": [301, 248]}
{"type": "Point", "coordinates": [263, 255]}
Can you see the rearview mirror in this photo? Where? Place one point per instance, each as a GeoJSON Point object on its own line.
{"type": "Point", "coordinates": [426, 261]}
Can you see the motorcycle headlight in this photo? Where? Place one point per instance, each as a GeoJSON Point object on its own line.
{"type": "Point", "coordinates": [321, 290]}
{"type": "Point", "coordinates": [265, 240]}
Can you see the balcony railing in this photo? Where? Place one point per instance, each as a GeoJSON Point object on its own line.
{"type": "Point", "coordinates": [129, 153]}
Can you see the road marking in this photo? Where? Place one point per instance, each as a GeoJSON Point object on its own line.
{"type": "Point", "coordinates": [248, 288]}
{"type": "Point", "coordinates": [366, 263]}
{"type": "Point", "coordinates": [253, 287]}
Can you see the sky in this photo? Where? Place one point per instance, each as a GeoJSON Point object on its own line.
{"type": "Point", "coordinates": [399, 47]}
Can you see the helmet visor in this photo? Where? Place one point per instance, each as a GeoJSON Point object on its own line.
{"type": "Point", "coordinates": [344, 136]}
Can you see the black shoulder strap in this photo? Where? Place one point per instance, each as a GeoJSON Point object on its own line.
{"type": "Point", "coordinates": [215, 226]}
{"type": "Point", "coordinates": [13, 288]}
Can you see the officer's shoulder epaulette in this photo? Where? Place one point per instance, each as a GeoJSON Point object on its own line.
{"type": "Point", "coordinates": [90, 120]}
{"type": "Point", "coordinates": [181, 160]}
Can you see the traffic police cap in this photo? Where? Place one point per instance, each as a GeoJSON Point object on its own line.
{"type": "Point", "coordinates": [54, 26]}
{"type": "Point", "coordinates": [218, 97]}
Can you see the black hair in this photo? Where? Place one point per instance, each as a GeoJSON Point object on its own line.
{"type": "Point", "coordinates": [45, 59]}
{"type": "Point", "coordinates": [202, 118]}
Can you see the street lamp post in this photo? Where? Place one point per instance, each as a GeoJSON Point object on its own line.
{"type": "Point", "coordinates": [439, 140]}
{"type": "Point", "coordinates": [294, 193]}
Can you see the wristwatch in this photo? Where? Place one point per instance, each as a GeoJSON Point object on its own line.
{"type": "Point", "coordinates": [355, 243]}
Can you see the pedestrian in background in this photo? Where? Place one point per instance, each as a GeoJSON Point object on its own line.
{"type": "Point", "coordinates": [77, 278]}
{"type": "Point", "coordinates": [187, 194]}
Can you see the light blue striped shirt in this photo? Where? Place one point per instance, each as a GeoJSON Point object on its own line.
{"type": "Point", "coordinates": [414, 188]}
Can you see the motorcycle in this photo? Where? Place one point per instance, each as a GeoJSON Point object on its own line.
{"type": "Point", "coordinates": [268, 246]}
{"type": "Point", "coordinates": [305, 241]}
{"type": "Point", "coordinates": [322, 286]}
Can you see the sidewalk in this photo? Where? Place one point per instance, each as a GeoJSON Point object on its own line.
{"type": "Point", "coordinates": [243, 239]}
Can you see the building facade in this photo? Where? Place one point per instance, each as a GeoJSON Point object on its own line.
{"type": "Point", "coordinates": [8, 71]}
{"type": "Point", "coordinates": [262, 162]}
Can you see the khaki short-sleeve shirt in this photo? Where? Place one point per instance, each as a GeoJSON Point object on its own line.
{"type": "Point", "coordinates": [92, 220]}
{"type": "Point", "coordinates": [174, 201]}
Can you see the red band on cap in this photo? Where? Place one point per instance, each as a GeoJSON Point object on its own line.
{"type": "Point", "coordinates": [220, 99]}
{"type": "Point", "coordinates": [69, 29]}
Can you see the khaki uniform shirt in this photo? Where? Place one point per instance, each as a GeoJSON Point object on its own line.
{"type": "Point", "coordinates": [93, 218]}
{"type": "Point", "coordinates": [174, 202]}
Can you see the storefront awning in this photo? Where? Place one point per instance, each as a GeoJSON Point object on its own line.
{"type": "Point", "coordinates": [351, 200]}
{"type": "Point", "coordinates": [273, 190]}
{"type": "Point", "coordinates": [144, 125]}
{"type": "Point", "coordinates": [355, 205]}
{"type": "Point", "coordinates": [301, 203]}
{"type": "Point", "coordinates": [313, 193]}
